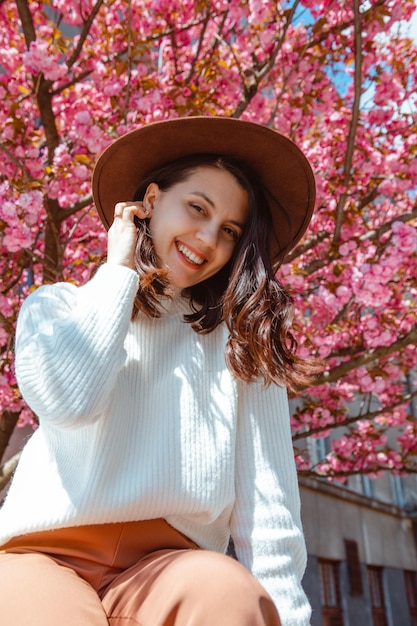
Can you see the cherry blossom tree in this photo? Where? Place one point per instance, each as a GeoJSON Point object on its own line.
{"type": "Point", "coordinates": [338, 77]}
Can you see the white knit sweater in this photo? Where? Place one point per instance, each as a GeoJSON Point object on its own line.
{"type": "Point", "coordinates": [141, 420]}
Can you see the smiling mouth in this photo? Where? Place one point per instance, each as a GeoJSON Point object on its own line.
{"type": "Point", "coordinates": [191, 257]}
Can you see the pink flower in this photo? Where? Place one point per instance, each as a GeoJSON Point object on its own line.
{"type": "Point", "coordinates": [405, 237]}
{"type": "Point", "coordinates": [346, 248]}
{"type": "Point", "coordinates": [84, 117]}
{"type": "Point", "coordinates": [343, 293]}
{"type": "Point", "coordinates": [81, 172]}
{"type": "Point", "coordinates": [40, 59]}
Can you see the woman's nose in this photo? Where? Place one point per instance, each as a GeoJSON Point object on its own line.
{"type": "Point", "coordinates": [208, 235]}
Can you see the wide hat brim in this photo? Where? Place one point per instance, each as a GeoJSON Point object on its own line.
{"type": "Point", "coordinates": [279, 164]}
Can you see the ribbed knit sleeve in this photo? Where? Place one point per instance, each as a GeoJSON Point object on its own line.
{"type": "Point", "coordinates": [69, 345]}
{"type": "Point", "coordinates": [265, 523]}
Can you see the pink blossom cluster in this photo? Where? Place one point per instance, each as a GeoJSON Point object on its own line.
{"type": "Point", "coordinates": [40, 59]}
{"type": "Point", "coordinates": [355, 291]}
{"type": "Point", "coordinates": [362, 450]}
{"type": "Point", "coordinates": [20, 215]}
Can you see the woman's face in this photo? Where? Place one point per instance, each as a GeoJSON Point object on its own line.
{"type": "Point", "coordinates": [196, 224]}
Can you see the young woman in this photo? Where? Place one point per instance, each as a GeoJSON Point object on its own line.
{"type": "Point", "coordinates": [160, 390]}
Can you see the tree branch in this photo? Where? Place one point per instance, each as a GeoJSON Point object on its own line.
{"type": "Point", "coordinates": [8, 422]}
{"type": "Point", "coordinates": [259, 71]}
{"type": "Point", "coordinates": [354, 119]}
{"type": "Point", "coordinates": [71, 209]}
{"type": "Point", "coordinates": [199, 46]}
{"type": "Point", "coordinates": [26, 20]}
{"type": "Point", "coordinates": [84, 33]}
{"type": "Point", "coordinates": [370, 415]}
{"type": "Point", "coordinates": [372, 355]}
{"type": "Point", "coordinates": [307, 245]}
{"type": "Point", "coordinates": [121, 53]}
{"type": "Point", "coordinates": [18, 163]}
{"type": "Point", "coordinates": [7, 326]}
{"type": "Point", "coordinates": [41, 86]}
{"type": "Point", "coordinates": [70, 83]}
{"type": "Point", "coordinates": [375, 234]}
{"type": "Point", "coordinates": [129, 62]}
{"type": "Point", "coordinates": [53, 248]}
{"type": "Point", "coordinates": [338, 28]}
{"type": "Point", "coordinates": [378, 232]}
{"type": "Point", "coordinates": [363, 471]}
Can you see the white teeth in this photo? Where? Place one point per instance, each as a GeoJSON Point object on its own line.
{"type": "Point", "coordinates": [190, 255]}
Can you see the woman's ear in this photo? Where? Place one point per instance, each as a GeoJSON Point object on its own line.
{"type": "Point", "coordinates": [152, 194]}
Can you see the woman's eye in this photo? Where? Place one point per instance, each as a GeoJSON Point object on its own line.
{"type": "Point", "coordinates": [197, 208]}
{"type": "Point", "coordinates": [231, 233]}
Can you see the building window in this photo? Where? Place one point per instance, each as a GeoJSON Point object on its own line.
{"type": "Point", "coordinates": [318, 449]}
{"type": "Point", "coordinates": [411, 590]}
{"type": "Point", "coordinates": [376, 591]}
{"type": "Point", "coordinates": [354, 568]}
{"type": "Point", "coordinates": [397, 490]}
{"type": "Point", "coordinates": [367, 486]}
{"type": "Point", "coordinates": [330, 593]}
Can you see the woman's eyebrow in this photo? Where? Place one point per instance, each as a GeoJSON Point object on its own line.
{"type": "Point", "coordinates": [205, 197]}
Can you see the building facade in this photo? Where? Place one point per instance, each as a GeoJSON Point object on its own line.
{"type": "Point", "coordinates": [362, 557]}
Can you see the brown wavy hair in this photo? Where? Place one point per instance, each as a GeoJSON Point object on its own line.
{"type": "Point", "coordinates": [245, 293]}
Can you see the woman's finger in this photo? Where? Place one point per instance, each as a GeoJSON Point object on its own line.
{"type": "Point", "coordinates": [129, 210]}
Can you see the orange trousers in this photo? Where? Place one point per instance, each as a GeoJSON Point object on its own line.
{"type": "Point", "coordinates": [136, 573]}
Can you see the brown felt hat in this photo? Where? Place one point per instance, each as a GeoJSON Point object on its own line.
{"type": "Point", "coordinates": [279, 164]}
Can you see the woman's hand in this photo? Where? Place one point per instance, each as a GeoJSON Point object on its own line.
{"type": "Point", "coordinates": [122, 235]}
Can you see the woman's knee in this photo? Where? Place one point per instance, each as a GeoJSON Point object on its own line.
{"type": "Point", "coordinates": [214, 570]}
{"type": "Point", "coordinates": [224, 591]}
{"type": "Point", "coordinates": [217, 575]}
{"type": "Point", "coordinates": [187, 588]}
{"type": "Point", "coordinates": [36, 590]}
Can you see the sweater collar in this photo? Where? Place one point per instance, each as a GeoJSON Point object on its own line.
{"type": "Point", "coordinates": [177, 304]}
